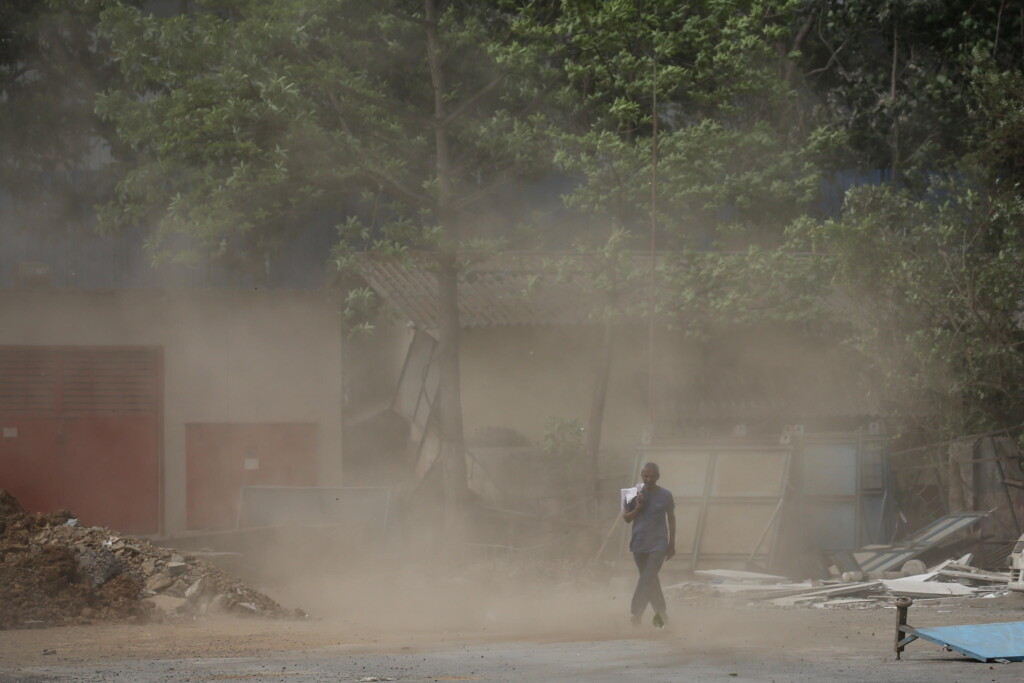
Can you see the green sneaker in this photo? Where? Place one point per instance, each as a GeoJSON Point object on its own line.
{"type": "Point", "coordinates": [659, 622]}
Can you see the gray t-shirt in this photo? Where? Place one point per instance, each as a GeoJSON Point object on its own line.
{"type": "Point", "coordinates": [650, 527]}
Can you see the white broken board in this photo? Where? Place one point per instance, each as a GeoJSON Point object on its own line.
{"type": "Point", "coordinates": [760, 588]}
{"type": "Point", "coordinates": [735, 575]}
{"type": "Point", "coordinates": [825, 593]}
{"type": "Point", "coordinates": [913, 587]}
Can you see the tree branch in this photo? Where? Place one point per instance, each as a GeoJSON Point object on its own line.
{"type": "Point", "coordinates": [469, 198]}
{"type": "Point", "coordinates": [415, 198]}
{"type": "Point", "coordinates": [377, 101]}
{"type": "Point", "coordinates": [411, 19]}
{"type": "Point", "coordinates": [474, 99]}
{"type": "Point", "coordinates": [367, 164]}
{"type": "Point", "coordinates": [831, 60]}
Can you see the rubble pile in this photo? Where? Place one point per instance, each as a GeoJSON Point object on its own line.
{"type": "Point", "coordinates": [955, 579]}
{"type": "Point", "coordinates": [54, 571]}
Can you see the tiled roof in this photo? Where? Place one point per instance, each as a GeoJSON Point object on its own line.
{"type": "Point", "coordinates": [560, 289]}
{"type": "Point", "coordinates": [513, 289]}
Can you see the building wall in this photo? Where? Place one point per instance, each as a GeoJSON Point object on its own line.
{"type": "Point", "coordinates": [228, 357]}
{"type": "Point", "coordinates": [519, 377]}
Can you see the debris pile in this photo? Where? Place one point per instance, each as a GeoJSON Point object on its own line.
{"type": "Point", "coordinates": [949, 579]}
{"type": "Point", "coordinates": [54, 571]}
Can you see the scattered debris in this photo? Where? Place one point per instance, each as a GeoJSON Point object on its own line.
{"type": "Point", "coordinates": [867, 577]}
{"type": "Point", "coordinates": [886, 557]}
{"type": "Point", "coordinates": [827, 592]}
{"type": "Point", "coordinates": [1016, 582]}
{"type": "Point", "coordinates": [959, 571]}
{"type": "Point", "coordinates": [55, 572]}
{"type": "Point", "coordinates": [734, 575]}
{"type": "Point", "coordinates": [954, 578]}
{"type": "Point", "coordinates": [915, 587]}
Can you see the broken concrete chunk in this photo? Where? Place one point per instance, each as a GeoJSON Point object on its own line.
{"type": "Point", "coordinates": [168, 603]}
{"type": "Point", "coordinates": [98, 567]}
{"type": "Point", "coordinates": [177, 589]}
{"type": "Point", "coordinates": [176, 568]}
{"type": "Point", "coordinates": [196, 590]}
{"type": "Point", "coordinates": [158, 582]}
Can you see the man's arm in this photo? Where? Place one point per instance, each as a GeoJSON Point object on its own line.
{"type": "Point", "coordinates": [671, 535]}
{"type": "Point", "coordinates": [633, 509]}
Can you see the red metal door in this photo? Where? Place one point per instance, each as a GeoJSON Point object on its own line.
{"type": "Point", "coordinates": [81, 430]}
{"type": "Point", "coordinates": [221, 458]}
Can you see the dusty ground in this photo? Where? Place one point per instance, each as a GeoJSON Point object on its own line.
{"type": "Point", "coordinates": [411, 629]}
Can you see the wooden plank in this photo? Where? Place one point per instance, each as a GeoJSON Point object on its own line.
{"type": "Point", "coordinates": [979, 576]}
{"type": "Point", "coordinates": [735, 575]}
{"type": "Point", "coordinates": [830, 592]}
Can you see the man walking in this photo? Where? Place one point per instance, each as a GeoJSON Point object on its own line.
{"type": "Point", "coordinates": [652, 514]}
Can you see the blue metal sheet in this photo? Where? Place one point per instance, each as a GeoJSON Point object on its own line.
{"type": "Point", "coordinates": [984, 642]}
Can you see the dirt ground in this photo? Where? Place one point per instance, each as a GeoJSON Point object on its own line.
{"type": "Point", "coordinates": [412, 628]}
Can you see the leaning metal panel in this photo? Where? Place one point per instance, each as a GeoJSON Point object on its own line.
{"type": "Point", "coordinates": [727, 501]}
{"type": "Point", "coordinates": [933, 534]}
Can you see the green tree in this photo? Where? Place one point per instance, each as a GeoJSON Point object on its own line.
{"type": "Point", "coordinates": [896, 75]}
{"type": "Point", "coordinates": [691, 138]}
{"type": "Point", "coordinates": [689, 120]}
{"type": "Point", "coordinates": [249, 116]}
{"type": "Point", "coordinates": [51, 67]}
{"type": "Point", "coordinates": [929, 281]}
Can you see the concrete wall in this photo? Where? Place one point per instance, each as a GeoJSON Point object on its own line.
{"type": "Point", "coordinates": [236, 357]}
{"type": "Point", "coordinates": [518, 377]}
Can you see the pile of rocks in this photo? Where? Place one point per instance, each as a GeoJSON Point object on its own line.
{"type": "Point", "coordinates": [55, 571]}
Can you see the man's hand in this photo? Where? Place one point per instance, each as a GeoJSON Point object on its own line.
{"type": "Point", "coordinates": [670, 552]}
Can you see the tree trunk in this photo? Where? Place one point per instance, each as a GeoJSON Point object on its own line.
{"type": "Point", "coordinates": [449, 397]}
{"type": "Point", "coordinates": [895, 133]}
{"type": "Point", "coordinates": [596, 421]}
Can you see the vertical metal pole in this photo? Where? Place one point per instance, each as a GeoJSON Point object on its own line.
{"type": "Point", "coordinates": [702, 514]}
{"type": "Point", "coordinates": [902, 605]}
{"type": "Point", "coordinates": [653, 238]}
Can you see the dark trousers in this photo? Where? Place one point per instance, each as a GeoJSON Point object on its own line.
{"type": "Point", "coordinates": [648, 587]}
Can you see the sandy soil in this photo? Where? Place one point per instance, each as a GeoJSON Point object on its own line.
{"type": "Point", "coordinates": [376, 617]}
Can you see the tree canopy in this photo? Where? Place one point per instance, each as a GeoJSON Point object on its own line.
{"type": "Point", "coordinates": [448, 126]}
{"type": "Point", "coordinates": [51, 69]}
{"type": "Point", "coordinates": [256, 114]}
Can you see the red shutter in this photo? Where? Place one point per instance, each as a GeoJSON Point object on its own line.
{"type": "Point", "coordinates": [82, 430]}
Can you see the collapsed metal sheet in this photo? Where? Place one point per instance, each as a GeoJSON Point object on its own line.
{"type": "Point", "coordinates": [933, 534]}
{"type": "Point", "coordinates": [419, 381]}
{"type": "Point", "coordinates": [1002, 641]}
